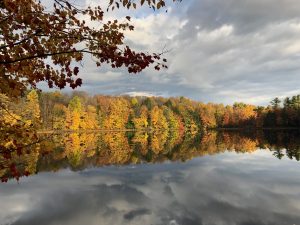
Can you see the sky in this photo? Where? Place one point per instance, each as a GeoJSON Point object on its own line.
{"type": "Point", "coordinates": [219, 51]}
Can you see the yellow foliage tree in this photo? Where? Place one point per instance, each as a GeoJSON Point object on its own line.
{"type": "Point", "coordinates": [74, 113]}
{"type": "Point", "coordinates": [59, 116]}
{"type": "Point", "coordinates": [158, 120]}
{"type": "Point", "coordinates": [141, 122]}
{"type": "Point", "coordinates": [31, 111]}
{"type": "Point", "coordinates": [90, 118]}
{"type": "Point", "coordinates": [118, 114]}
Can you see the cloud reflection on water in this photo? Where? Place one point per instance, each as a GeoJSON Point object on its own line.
{"type": "Point", "coordinates": [225, 189]}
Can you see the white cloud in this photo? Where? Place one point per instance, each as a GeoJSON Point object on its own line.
{"type": "Point", "coordinates": [139, 93]}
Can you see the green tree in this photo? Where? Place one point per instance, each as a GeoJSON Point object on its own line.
{"type": "Point", "coordinates": [296, 102]}
{"type": "Point", "coordinates": [275, 103]}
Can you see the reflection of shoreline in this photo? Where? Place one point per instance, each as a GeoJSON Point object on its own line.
{"type": "Point", "coordinates": [103, 130]}
{"type": "Point", "coordinates": [153, 130]}
{"type": "Point", "coordinates": [85, 131]}
{"type": "Point", "coordinates": [79, 150]}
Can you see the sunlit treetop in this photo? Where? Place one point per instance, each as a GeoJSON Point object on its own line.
{"type": "Point", "coordinates": [38, 44]}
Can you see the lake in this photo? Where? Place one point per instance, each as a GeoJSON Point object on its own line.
{"type": "Point", "coordinates": [228, 177]}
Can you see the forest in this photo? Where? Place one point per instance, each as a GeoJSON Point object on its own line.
{"type": "Point", "coordinates": [48, 111]}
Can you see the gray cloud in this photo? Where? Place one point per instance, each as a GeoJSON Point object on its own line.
{"type": "Point", "coordinates": [246, 16]}
{"type": "Point", "coordinates": [135, 213]}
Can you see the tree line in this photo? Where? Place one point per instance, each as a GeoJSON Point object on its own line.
{"type": "Point", "coordinates": [80, 111]}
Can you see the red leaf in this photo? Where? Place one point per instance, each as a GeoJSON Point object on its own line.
{"type": "Point", "coordinates": [76, 70]}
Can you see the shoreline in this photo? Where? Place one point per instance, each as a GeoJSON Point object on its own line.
{"type": "Point", "coordinates": [151, 130]}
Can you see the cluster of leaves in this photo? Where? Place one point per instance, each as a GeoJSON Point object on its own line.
{"type": "Point", "coordinates": [154, 4]}
{"type": "Point", "coordinates": [40, 44]}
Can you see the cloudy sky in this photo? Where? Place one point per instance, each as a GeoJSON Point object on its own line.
{"type": "Point", "coordinates": [220, 51]}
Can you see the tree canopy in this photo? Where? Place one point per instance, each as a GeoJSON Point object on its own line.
{"type": "Point", "coordinates": [39, 43]}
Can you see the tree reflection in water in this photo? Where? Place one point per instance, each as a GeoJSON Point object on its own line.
{"type": "Point", "coordinates": [82, 150]}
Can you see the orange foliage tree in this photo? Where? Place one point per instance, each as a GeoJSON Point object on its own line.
{"type": "Point", "coordinates": [40, 43]}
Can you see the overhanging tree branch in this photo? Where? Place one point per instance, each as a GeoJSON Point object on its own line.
{"type": "Point", "coordinates": [36, 35]}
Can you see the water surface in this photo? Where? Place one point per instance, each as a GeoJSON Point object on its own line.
{"type": "Point", "coordinates": [214, 178]}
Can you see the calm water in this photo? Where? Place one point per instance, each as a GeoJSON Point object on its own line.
{"type": "Point", "coordinates": [116, 178]}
